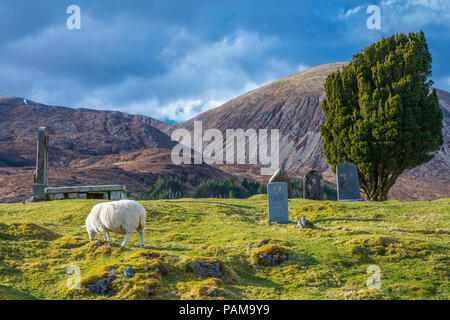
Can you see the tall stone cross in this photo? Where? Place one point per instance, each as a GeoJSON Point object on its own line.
{"type": "Point", "coordinates": [41, 172]}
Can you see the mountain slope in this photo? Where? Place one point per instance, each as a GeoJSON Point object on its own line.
{"type": "Point", "coordinates": [291, 104]}
{"type": "Point", "coordinates": [73, 132]}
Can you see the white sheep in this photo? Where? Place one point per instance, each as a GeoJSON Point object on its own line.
{"type": "Point", "coordinates": [123, 217]}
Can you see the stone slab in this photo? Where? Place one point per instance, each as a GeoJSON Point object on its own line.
{"type": "Point", "coordinates": [278, 202]}
{"type": "Point", "coordinates": [86, 189]}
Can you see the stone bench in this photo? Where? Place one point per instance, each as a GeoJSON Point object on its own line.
{"type": "Point", "coordinates": [107, 192]}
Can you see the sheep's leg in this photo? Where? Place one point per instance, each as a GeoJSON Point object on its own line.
{"type": "Point", "coordinates": [127, 237]}
{"type": "Point", "coordinates": [141, 232]}
{"type": "Point", "coordinates": [107, 238]}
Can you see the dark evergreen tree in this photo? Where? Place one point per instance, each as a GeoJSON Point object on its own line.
{"type": "Point", "coordinates": [382, 114]}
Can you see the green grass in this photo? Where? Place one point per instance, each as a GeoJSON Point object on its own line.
{"type": "Point", "coordinates": [409, 241]}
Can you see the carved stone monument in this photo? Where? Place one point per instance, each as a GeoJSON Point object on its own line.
{"type": "Point", "coordinates": [41, 172]}
{"type": "Point", "coordinates": [278, 202]}
{"type": "Point", "coordinates": [312, 185]}
{"type": "Point", "coordinates": [281, 176]}
{"type": "Point", "coordinates": [348, 182]}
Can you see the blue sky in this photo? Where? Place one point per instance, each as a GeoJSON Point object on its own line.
{"type": "Point", "coordinates": [175, 59]}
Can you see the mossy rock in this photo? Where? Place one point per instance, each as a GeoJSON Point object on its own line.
{"type": "Point", "coordinates": [98, 246]}
{"type": "Point", "coordinates": [269, 255]}
{"type": "Point", "coordinates": [139, 287]}
{"type": "Point", "coordinates": [156, 269]}
{"type": "Point", "coordinates": [203, 266]}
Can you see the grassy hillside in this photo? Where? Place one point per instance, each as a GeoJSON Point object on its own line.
{"type": "Point", "coordinates": [409, 241]}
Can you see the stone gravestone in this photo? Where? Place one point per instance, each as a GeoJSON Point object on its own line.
{"type": "Point", "coordinates": [312, 185]}
{"type": "Point", "coordinates": [280, 176]}
{"type": "Point", "coordinates": [278, 202]}
{"type": "Point", "coordinates": [41, 172]}
{"type": "Point", "coordinates": [347, 182]}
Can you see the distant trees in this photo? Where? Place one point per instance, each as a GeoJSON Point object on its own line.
{"type": "Point", "coordinates": [297, 188]}
{"type": "Point", "coordinates": [228, 189]}
{"type": "Point", "coordinates": [382, 114]}
{"type": "Point", "coordinates": [167, 187]}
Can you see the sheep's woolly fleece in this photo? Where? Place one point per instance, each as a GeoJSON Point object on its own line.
{"type": "Point", "coordinates": [121, 217]}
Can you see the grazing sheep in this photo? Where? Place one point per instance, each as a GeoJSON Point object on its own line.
{"type": "Point", "coordinates": [123, 217]}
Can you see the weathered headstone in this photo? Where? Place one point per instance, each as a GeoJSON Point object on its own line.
{"type": "Point", "coordinates": [41, 173]}
{"type": "Point", "coordinates": [281, 176]}
{"type": "Point", "coordinates": [347, 182]}
{"type": "Point", "coordinates": [278, 202]}
{"type": "Point", "coordinates": [312, 185]}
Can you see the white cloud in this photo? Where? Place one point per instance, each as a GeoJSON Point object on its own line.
{"type": "Point", "coordinates": [203, 78]}
{"type": "Point", "coordinates": [344, 14]}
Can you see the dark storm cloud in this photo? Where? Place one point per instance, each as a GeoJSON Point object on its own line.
{"type": "Point", "coordinates": [174, 59]}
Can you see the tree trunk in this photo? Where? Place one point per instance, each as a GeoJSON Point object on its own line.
{"type": "Point", "coordinates": [377, 187]}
